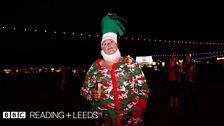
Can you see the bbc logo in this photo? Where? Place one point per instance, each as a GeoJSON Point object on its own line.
{"type": "Point", "coordinates": [14, 115]}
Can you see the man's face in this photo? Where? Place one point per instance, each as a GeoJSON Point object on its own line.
{"type": "Point", "coordinates": [109, 46]}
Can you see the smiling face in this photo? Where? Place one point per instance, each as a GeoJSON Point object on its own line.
{"type": "Point", "coordinates": [109, 46]}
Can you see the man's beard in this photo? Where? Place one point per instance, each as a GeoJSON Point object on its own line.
{"type": "Point", "coordinates": [112, 57]}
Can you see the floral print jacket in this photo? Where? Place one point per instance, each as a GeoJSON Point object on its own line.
{"type": "Point", "coordinates": [123, 88]}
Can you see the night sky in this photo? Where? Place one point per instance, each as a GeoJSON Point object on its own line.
{"type": "Point", "coordinates": [186, 21]}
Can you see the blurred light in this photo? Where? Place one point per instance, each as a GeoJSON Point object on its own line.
{"type": "Point", "coordinates": [58, 71]}
{"type": "Point", "coordinates": [155, 67]}
{"type": "Point", "coordinates": [144, 59]}
{"type": "Point", "coordinates": [220, 58]}
{"type": "Point", "coordinates": [74, 71]}
{"type": "Point", "coordinates": [180, 60]}
{"type": "Point", "coordinates": [163, 64]}
{"type": "Point", "coordinates": [7, 71]}
{"type": "Point", "coordinates": [153, 63]}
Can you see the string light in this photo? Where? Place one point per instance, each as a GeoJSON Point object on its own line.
{"type": "Point", "coordinates": [193, 54]}
{"type": "Point", "coordinates": [127, 38]}
{"type": "Point", "coordinates": [208, 57]}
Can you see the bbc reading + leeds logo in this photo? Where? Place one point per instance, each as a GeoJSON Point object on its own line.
{"type": "Point", "coordinates": [14, 115]}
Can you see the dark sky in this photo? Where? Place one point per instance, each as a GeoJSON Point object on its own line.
{"type": "Point", "coordinates": [187, 21]}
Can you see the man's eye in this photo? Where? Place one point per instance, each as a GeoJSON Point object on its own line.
{"type": "Point", "coordinates": [106, 44]}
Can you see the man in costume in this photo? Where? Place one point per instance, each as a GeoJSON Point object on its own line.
{"type": "Point", "coordinates": [115, 85]}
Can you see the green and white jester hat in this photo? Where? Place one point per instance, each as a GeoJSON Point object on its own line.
{"type": "Point", "coordinates": [111, 26]}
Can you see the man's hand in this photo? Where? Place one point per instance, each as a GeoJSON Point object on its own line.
{"type": "Point", "coordinates": [137, 111]}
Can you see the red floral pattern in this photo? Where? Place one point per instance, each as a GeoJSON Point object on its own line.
{"type": "Point", "coordinates": [123, 88]}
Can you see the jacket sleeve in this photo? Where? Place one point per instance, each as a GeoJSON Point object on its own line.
{"type": "Point", "coordinates": [142, 85]}
{"type": "Point", "coordinates": [88, 85]}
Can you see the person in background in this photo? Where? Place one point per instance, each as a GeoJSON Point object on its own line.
{"type": "Point", "coordinates": [189, 85]}
{"type": "Point", "coordinates": [173, 85]}
{"type": "Point", "coordinates": [115, 85]}
{"type": "Point", "coordinates": [80, 74]}
{"type": "Point", "coordinates": [63, 77]}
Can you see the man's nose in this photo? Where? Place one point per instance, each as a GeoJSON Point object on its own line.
{"type": "Point", "coordinates": [109, 45]}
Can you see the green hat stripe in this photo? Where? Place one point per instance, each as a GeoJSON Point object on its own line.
{"type": "Point", "coordinates": [110, 23]}
{"type": "Point", "coordinates": [114, 16]}
{"type": "Point", "coordinates": [121, 28]}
